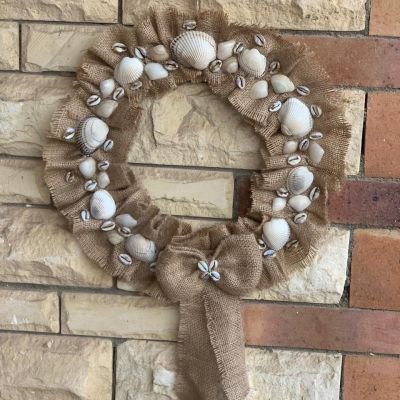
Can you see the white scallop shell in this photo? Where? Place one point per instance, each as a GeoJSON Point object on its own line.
{"type": "Point", "coordinates": [106, 108]}
{"type": "Point", "coordinates": [225, 49]}
{"type": "Point", "coordinates": [278, 204]}
{"type": "Point", "coordinates": [114, 237]}
{"type": "Point", "coordinates": [276, 233]}
{"type": "Point", "coordinates": [194, 49]}
{"type": "Point", "coordinates": [158, 53]}
{"type": "Point", "coordinates": [316, 152]}
{"type": "Point", "coordinates": [103, 180]}
{"type": "Point", "coordinates": [107, 87]}
{"type": "Point", "coordinates": [290, 147]}
{"type": "Point", "coordinates": [299, 180]}
{"type": "Point", "coordinates": [230, 65]}
{"type": "Point", "coordinates": [282, 84]}
{"type": "Point", "coordinates": [126, 220]}
{"type": "Point", "coordinates": [102, 205]}
{"type": "Point", "coordinates": [155, 71]}
{"type": "Point", "coordinates": [299, 202]}
{"type": "Point", "coordinates": [92, 134]}
{"type": "Point", "coordinates": [259, 90]}
{"type": "Point", "coordinates": [128, 70]}
{"type": "Point", "coordinates": [88, 167]}
{"type": "Point", "coordinates": [295, 118]}
{"type": "Point", "coordinates": [141, 248]}
{"type": "Point", "coordinates": [253, 62]}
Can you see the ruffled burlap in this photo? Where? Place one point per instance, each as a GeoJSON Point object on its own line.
{"type": "Point", "coordinates": [211, 348]}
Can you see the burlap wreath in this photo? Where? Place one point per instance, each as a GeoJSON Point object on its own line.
{"type": "Point", "coordinates": [283, 93]}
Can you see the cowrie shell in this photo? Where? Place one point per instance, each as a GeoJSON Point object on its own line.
{"type": "Point", "coordinates": [69, 134]}
{"type": "Point", "coordinates": [85, 215]}
{"type": "Point", "coordinates": [300, 218]}
{"type": "Point", "coordinates": [93, 100]}
{"type": "Point", "coordinates": [125, 259]}
{"type": "Point", "coordinates": [119, 47]}
{"type": "Point", "coordinates": [107, 226]}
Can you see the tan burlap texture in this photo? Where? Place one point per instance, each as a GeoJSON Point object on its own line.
{"type": "Point", "coordinates": [211, 361]}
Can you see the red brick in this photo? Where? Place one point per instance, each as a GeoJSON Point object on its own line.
{"type": "Point", "coordinates": [385, 18]}
{"type": "Point", "coordinates": [371, 378]}
{"type": "Point", "coordinates": [322, 328]}
{"type": "Point", "coordinates": [375, 270]}
{"type": "Point", "coordinates": [382, 145]}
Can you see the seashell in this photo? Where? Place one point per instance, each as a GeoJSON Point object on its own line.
{"type": "Point", "coordinates": [108, 145]}
{"type": "Point", "coordinates": [316, 111]}
{"type": "Point", "coordinates": [158, 53]}
{"type": "Point", "coordinates": [316, 136]}
{"type": "Point", "coordinates": [118, 94]}
{"type": "Point", "coordinates": [106, 108]}
{"type": "Point", "coordinates": [128, 70]}
{"type": "Point", "coordinates": [107, 226]}
{"type": "Point", "coordinates": [238, 48]}
{"type": "Point", "coordinates": [114, 237]}
{"type": "Point", "coordinates": [103, 165]}
{"type": "Point", "coordinates": [69, 177]}
{"type": "Point", "coordinates": [240, 82]}
{"type": "Point", "coordinates": [304, 144]}
{"type": "Point", "coordinates": [276, 233]}
{"type": "Point", "coordinates": [259, 39]}
{"type": "Point", "coordinates": [276, 106]}
{"type": "Point", "coordinates": [152, 267]}
{"type": "Point", "coordinates": [107, 87]}
{"type": "Point", "coordinates": [316, 152]}
{"type": "Point", "coordinates": [282, 192]}
{"type": "Point", "coordinates": [215, 66]}
{"type": "Point", "coordinates": [289, 147]}
{"type": "Point", "coordinates": [230, 65]}
{"type": "Point", "coordinates": [214, 264]}
{"type": "Point", "coordinates": [136, 85]}
{"type": "Point", "coordinates": [141, 248]}
{"type": "Point", "coordinates": [300, 218]}
{"type": "Point", "coordinates": [303, 90]}
{"type": "Point", "coordinates": [93, 100]}
{"type": "Point", "coordinates": [69, 134]}
{"type": "Point", "coordinates": [314, 193]}
{"type": "Point", "coordinates": [126, 220]}
{"type": "Point", "coordinates": [155, 71]}
{"type": "Point", "coordinates": [194, 49]}
{"type": "Point", "coordinates": [253, 62]}
{"type": "Point", "coordinates": [292, 244]}
{"type": "Point", "coordinates": [295, 118]}
{"type": "Point", "coordinates": [92, 134]}
{"type": "Point", "coordinates": [215, 276]}
{"type": "Point", "coordinates": [171, 65]}
{"type": "Point", "coordinates": [189, 24]}
{"type": "Point", "coordinates": [119, 47]}
{"type": "Point", "coordinates": [225, 49]}
{"type": "Point", "coordinates": [103, 179]}
{"type": "Point", "coordinates": [282, 84]}
{"type": "Point", "coordinates": [102, 205]}
{"type": "Point", "coordinates": [299, 180]}
{"type": "Point", "coordinates": [85, 215]}
{"type": "Point", "coordinates": [202, 266]}
{"type": "Point", "coordinates": [274, 67]}
{"type": "Point", "coordinates": [90, 185]}
{"type": "Point", "coordinates": [269, 253]}
{"type": "Point", "coordinates": [125, 231]}
{"type": "Point", "coordinates": [294, 160]}
{"type": "Point", "coordinates": [278, 204]}
{"type": "Point", "coordinates": [259, 90]}
{"type": "Point", "coordinates": [299, 203]}
{"type": "Point", "coordinates": [140, 52]}
{"type": "Point", "coordinates": [88, 167]}
{"type": "Point", "coordinates": [261, 244]}
{"type": "Point", "coordinates": [125, 259]}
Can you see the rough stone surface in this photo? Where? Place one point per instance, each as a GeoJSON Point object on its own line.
{"type": "Point", "coordinates": [26, 105]}
{"type": "Point", "coordinates": [118, 316]}
{"type": "Point", "coordinates": [54, 367]}
{"type": "Point", "coordinates": [29, 311]}
{"type": "Point", "coordinates": [60, 10]}
{"type": "Point", "coordinates": [147, 370]}
{"type": "Point", "coordinates": [9, 45]}
{"type": "Point", "coordinates": [385, 18]}
{"type": "Point", "coordinates": [37, 247]}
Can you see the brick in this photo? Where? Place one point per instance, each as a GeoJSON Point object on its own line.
{"type": "Point", "coordinates": [54, 367]}
{"type": "Point", "coordinates": [9, 46]}
{"type": "Point", "coordinates": [385, 18]}
{"type": "Point", "coordinates": [371, 378]}
{"type": "Point", "coordinates": [382, 144]}
{"type": "Point", "coordinates": [322, 328]}
{"type": "Point", "coordinates": [118, 316]}
{"type": "Point", "coordinates": [375, 270]}
{"type": "Point", "coordinates": [60, 10]}
{"type": "Point", "coordinates": [37, 247]}
{"type": "Point", "coordinates": [366, 202]}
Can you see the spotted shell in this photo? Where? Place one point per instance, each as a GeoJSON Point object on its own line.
{"type": "Point", "coordinates": [141, 248]}
{"type": "Point", "coordinates": [299, 180]}
{"type": "Point", "coordinates": [253, 62]}
{"type": "Point", "coordinates": [295, 118]}
{"type": "Point", "coordinates": [92, 134]}
{"type": "Point", "coordinates": [128, 70]}
{"type": "Point", "coordinates": [299, 202]}
{"type": "Point", "coordinates": [276, 233]}
{"type": "Point", "coordinates": [194, 49]}
{"type": "Point", "coordinates": [282, 84]}
{"type": "Point", "coordinates": [102, 205]}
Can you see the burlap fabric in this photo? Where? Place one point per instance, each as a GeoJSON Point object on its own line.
{"type": "Point", "coordinates": [210, 340]}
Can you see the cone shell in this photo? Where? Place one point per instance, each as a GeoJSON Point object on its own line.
{"type": "Point", "coordinates": [102, 205]}
{"type": "Point", "coordinates": [299, 180]}
{"type": "Point", "coordinates": [194, 49]}
{"type": "Point", "coordinates": [106, 108]}
{"type": "Point", "coordinates": [141, 248]}
{"type": "Point", "coordinates": [88, 167]}
{"type": "Point", "coordinates": [299, 203]}
{"type": "Point", "coordinates": [155, 71]}
{"type": "Point", "coordinates": [92, 134]}
{"type": "Point", "coordinates": [107, 87]}
{"type": "Point", "coordinates": [253, 62]}
{"type": "Point", "coordinates": [295, 118]}
{"type": "Point", "coordinates": [128, 70]}
{"type": "Point", "coordinates": [276, 233]}
{"type": "Point", "coordinates": [282, 84]}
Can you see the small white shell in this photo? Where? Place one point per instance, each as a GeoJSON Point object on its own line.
{"type": "Point", "coordinates": [107, 226]}
{"type": "Point", "coordinates": [103, 165]}
{"type": "Point", "coordinates": [259, 90]}
{"type": "Point", "coordinates": [85, 215]}
{"type": "Point", "coordinates": [90, 185]}
{"type": "Point", "coordinates": [275, 106]}
{"type": "Point", "coordinates": [295, 118]}
{"type": "Point", "coordinates": [316, 152]}
{"type": "Point", "coordinates": [107, 87]}
{"type": "Point", "coordinates": [88, 167]}
{"type": "Point", "coordinates": [103, 179]}
{"type": "Point", "coordinates": [230, 65]}
{"type": "Point", "coordinates": [194, 49]}
{"type": "Point", "coordinates": [69, 134]}
{"type": "Point", "coordinates": [276, 233]}
{"type": "Point", "coordinates": [300, 218]}
{"type": "Point", "coordinates": [225, 49]}
{"type": "Point", "coordinates": [158, 53]}
{"type": "Point", "coordinates": [114, 237]}
{"type": "Point", "coordinates": [106, 108]}
{"type": "Point", "coordinates": [252, 62]}
{"type": "Point", "coordinates": [240, 82]}
{"type": "Point", "coordinates": [299, 180]}
{"type": "Point", "coordinates": [290, 147]}
{"type": "Point", "coordinates": [92, 134]}
{"type": "Point", "coordinates": [294, 159]}
{"type": "Point", "coordinates": [282, 84]}
{"type": "Point", "coordinates": [299, 203]}
{"type": "Point", "coordinates": [141, 248]}
{"type": "Point", "coordinates": [102, 205]}
{"type": "Point", "coordinates": [125, 259]}
{"type": "Point", "coordinates": [314, 194]}
{"type": "Point", "coordinates": [126, 220]}
{"type": "Point", "coordinates": [278, 204]}
{"type": "Point", "coordinates": [128, 70]}
{"type": "Point", "coordinates": [155, 71]}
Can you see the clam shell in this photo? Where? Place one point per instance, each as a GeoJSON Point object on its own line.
{"type": "Point", "coordinates": [158, 53]}
{"type": "Point", "coordinates": [114, 237]}
{"type": "Point", "coordinates": [259, 90]}
{"type": "Point", "coordinates": [194, 49]}
{"type": "Point", "coordinates": [141, 248]}
{"type": "Point", "coordinates": [282, 84]}
{"type": "Point", "coordinates": [276, 233]}
{"type": "Point", "coordinates": [88, 167]}
{"type": "Point", "coordinates": [295, 118]}
{"type": "Point", "coordinates": [92, 134]}
{"type": "Point", "coordinates": [155, 71]}
{"type": "Point", "coordinates": [252, 62]}
{"type": "Point", "coordinates": [126, 220]}
{"type": "Point", "coordinates": [106, 108]}
{"type": "Point", "coordinates": [290, 147]}
{"type": "Point", "coordinates": [103, 180]}
{"type": "Point", "coordinates": [107, 87]}
{"type": "Point", "coordinates": [316, 152]}
{"type": "Point", "coordinates": [102, 205]}
{"type": "Point", "coordinates": [128, 70]}
{"type": "Point", "coordinates": [278, 204]}
{"type": "Point", "coordinates": [225, 49]}
{"type": "Point", "coordinates": [299, 180]}
{"type": "Point", "coordinates": [230, 65]}
{"type": "Point", "coordinates": [299, 203]}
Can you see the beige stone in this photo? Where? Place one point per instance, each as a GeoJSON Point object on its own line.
{"type": "Point", "coordinates": [60, 10]}
{"type": "Point", "coordinates": [29, 311]}
{"type": "Point", "coordinates": [9, 45]}
{"type": "Point", "coordinates": [55, 47]}
{"type": "Point", "coordinates": [37, 247]}
{"type": "Point", "coordinates": [55, 368]}
{"type": "Point", "coordinates": [148, 370]}
{"type": "Point", "coordinates": [118, 316]}
{"type": "Point", "coordinates": [325, 15]}
{"type": "Point", "coordinates": [26, 105]}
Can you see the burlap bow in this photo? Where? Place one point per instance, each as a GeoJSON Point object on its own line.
{"type": "Point", "coordinates": [210, 340]}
